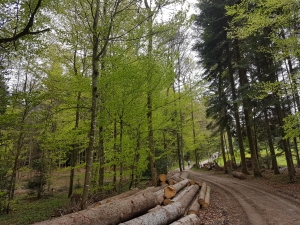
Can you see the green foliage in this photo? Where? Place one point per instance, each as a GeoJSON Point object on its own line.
{"type": "Point", "coordinates": [291, 125]}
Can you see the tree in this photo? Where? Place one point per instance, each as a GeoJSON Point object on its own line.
{"type": "Point", "coordinates": [18, 19]}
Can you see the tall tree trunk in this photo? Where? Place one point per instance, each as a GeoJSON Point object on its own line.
{"type": "Point", "coordinates": [116, 156]}
{"type": "Point", "coordinates": [223, 150]}
{"type": "Point", "coordinates": [74, 151]}
{"type": "Point", "coordinates": [94, 109]}
{"type": "Point", "coordinates": [247, 111]}
{"type": "Point", "coordinates": [231, 152]}
{"type": "Point", "coordinates": [149, 96]}
{"type": "Point", "coordinates": [120, 153]}
{"type": "Point", "coordinates": [271, 146]}
{"type": "Point", "coordinates": [194, 135]}
{"type": "Point", "coordinates": [236, 115]}
{"type": "Point", "coordinates": [101, 159]}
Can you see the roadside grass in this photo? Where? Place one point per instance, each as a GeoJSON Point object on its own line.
{"type": "Point", "coordinates": [27, 210]}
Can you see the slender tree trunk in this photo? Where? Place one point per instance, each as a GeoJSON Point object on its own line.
{"type": "Point", "coordinates": [223, 151]}
{"type": "Point", "coordinates": [231, 152]}
{"type": "Point", "coordinates": [101, 159]}
{"type": "Point", "coordinates": [271, 146]}
{"type": "Point", "coordinates": [94, 109]}
{"type": "Point", "coordinates": [236, 115]}
{"type": "Point", "coordinates": [120, 153]}
{"type": "Point", "coordinates": [116, 157]}
{"type": "Point", "coordinates": [247, 112]}
{"type": "Point", "coordinates": [194, 136]}
{"type": "Point", "coordinates": [149, 96]}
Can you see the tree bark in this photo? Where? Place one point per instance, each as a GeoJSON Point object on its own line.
{"type": "Point", "coordinates": [202, 193]}
{"type": "Point", "coordinates": [171, 190]}
{"type": "Point", "coordinates": [238, 175]}
{"type": "Point", "coordinates": [167, 214]}
{"type": "Point", "coordinates": [247, 111]}
{"type": "Point", "coordinates": [236, 114]}
{"type": "Point", "coordinates": [195, 208]}
{"type": "Point", "coordinates": [207, 198]}
{"type": "Point", "coordinates": [190, 219]}
{"type": "Point", "coordinates": [271, 146]}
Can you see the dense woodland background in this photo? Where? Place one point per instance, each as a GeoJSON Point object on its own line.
{"type": "Point", "coordinates": [113, 87]}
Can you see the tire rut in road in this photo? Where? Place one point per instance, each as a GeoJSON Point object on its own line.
{"type": "Point", "coordinates": [260, 206]}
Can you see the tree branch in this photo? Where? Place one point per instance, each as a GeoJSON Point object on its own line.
{"type": "Point", "coordinates": [26, 30]}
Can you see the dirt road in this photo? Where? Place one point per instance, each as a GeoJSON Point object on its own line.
{"type": "Point", "coordinates": [245, 202]}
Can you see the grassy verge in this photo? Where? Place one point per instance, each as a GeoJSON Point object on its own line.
{"type": "Point", "coordinates": [27, 210]}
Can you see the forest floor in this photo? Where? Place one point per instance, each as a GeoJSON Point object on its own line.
{"type": "Point", "coordinates": [269, 200]}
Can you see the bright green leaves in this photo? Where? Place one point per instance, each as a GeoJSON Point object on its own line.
{"type": "Point", "coordinates": [251, 18]}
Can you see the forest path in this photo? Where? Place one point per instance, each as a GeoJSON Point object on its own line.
{"type": "Point", "coordinates": [250, 201]}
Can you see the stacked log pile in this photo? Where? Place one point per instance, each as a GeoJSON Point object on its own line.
{"type": "Point", "coordinates": [168, 204]}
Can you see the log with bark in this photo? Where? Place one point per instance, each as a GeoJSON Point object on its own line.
{"type": "Point", "coordinates": [168, 201]}
{"type": "Point", "coordinates": [194, 208]}
{"type": "Point", "coordinates": [171, 190]}
{"type": "Point", "coordinates": [191, 219]}
{"type": "Point", "coordinates": [207, 198]}
{"type": "Point", "coordinates": [175, 177]}
{"type": "Point", "coordinates": [202, 193]}
{"type": "Point", "coordinates": [110, 213]}
{"type": "Point", "coordinates": [166, 214]}
{"type": "Point", "coordinates": [239, 175]}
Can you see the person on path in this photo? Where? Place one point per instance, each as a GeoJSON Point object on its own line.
{"type": "Point", "coordinates": [189, 163]}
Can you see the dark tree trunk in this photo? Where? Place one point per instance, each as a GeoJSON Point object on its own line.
{"type": "Point", "coordinates": [223, 151]}
{"type": "Point", "coordinates": [236, 115]}
{"type": "Point", "coordinates": [271, 146]}
{"type": "Point", "coordinates": [244, 84]}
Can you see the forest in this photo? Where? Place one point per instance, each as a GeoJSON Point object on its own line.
{"type": "Point", "coordinates": [127, 89]}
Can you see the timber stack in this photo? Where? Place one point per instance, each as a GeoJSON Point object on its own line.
{"type": "Point", "coordinates": [178, 201]}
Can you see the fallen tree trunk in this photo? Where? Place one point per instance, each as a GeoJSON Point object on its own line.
{"type": "Point", "coordinates": [191, 219]}
{"type": "Point", "coordinates": [110, 213]}
{"type": "Point", "coordinates": [171, 190]}
{"type": "Point", "coordinates": [116, 197]}
{"type": "Point", "coordinates": [239, 175]}
{"type": "Point", "coordinates": [207, 198]}
{"type": "Point", "coordinates": [168, 201]}
{"type": "Point", "coordinates": [202, 193]}
{"type": "Point", "coordinates": [195, 208]}
{"type": "Point", "coordinates": [166, 214]}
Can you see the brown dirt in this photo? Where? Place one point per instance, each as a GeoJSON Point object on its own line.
{"type": "Point", "coordinates": [269, 200]}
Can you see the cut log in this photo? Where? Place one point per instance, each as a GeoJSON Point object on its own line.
{"type": "Point", "coordinates": [202, 193]}
{"type": "Point", "coordinates": [166, 214]}
{"type": "Point", "coordinates": [171, 182]}
{"type": "Point", "coordinates": [195, 208]}
{"type": "Point", "coordinates": [199, 183]}
{"type": "Point", "coordinates": [171, 190]}
{"type": "Point", "coordinates": [192, 182]}
{"type": "Point", "coordinates": [163, 177]}
{"type": "Point", "coordinates": [177, 197]}
{"type": "Point", "coordinates": [207, 198]}
{"type": "Point", "coordinates": [239, 175]}
{"type": "Point", "coordinates": [116, 197]}
{"type": "Point", "coordinates": [191, 219]}
{"type": "Point", "coordinates": [110, 213]}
